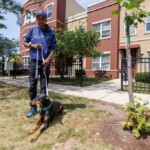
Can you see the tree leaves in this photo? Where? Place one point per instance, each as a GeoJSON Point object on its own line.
{"type": "Point", "coordinates": [8, 47]}
{"type": "Point", "coordinates": [9, 6]}
{"type": "Point", "coordinates": [76, 43]}
{"type": "Point", "coordinates": [134, 12]}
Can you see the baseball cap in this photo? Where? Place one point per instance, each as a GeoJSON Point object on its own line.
{"type": "Point", "coordinates": [41, 12]}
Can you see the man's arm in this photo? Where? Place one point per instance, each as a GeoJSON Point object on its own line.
{"type": "Point", "coordinates": [29, 45]}
{"type": "Point", "coordinates": [49, 58]}
{"type": "Point", "coordinates": [27, 41]}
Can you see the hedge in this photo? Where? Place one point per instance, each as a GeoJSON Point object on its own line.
{"type": "Point", "coordinates": [143, 77]}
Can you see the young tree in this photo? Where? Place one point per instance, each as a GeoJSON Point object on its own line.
{"type": "Point", "coordinates": [134, 14]}
{"type": "Point", "coordinates": [75, 44]}
{"type": "Point", "coordinates": [8, 48]}
{"type": "Point", "coordinates": [9, 6]}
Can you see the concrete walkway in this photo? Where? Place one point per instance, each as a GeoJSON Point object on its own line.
{"type": "Point", "coordinates": [108, 91]}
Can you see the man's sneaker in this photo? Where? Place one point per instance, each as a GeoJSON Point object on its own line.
{"type": "Point", "coordinates": [32, 112]}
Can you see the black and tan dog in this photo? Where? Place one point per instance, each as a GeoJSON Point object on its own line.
{"type": "Point", "coordinates": [49, 110]}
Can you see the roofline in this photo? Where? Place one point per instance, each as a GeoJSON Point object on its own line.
{"type": "Point", "coordinates": [100, 1]}
{"type": "Point", "coordinates": [76, 17]}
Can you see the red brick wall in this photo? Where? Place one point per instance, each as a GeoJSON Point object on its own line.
{"type": "Point", "coordinates": [100, 12]}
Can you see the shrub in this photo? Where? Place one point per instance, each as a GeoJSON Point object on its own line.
{"type": "Point", "coordinates": [79, 72]}
{"type": "Point", "coordinates": [138, 118]}
{"type": "Point", "coordinates": [143, 77]}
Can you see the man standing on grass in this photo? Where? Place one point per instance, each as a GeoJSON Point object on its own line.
{"type": "Point", "coordinates": [42, 43]}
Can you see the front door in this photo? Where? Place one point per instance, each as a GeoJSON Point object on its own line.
{"type": "Point", "coordinates": [133, 57]}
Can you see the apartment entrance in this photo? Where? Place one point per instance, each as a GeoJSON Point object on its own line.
{"type": "Point", "coordinates": [134, 53]}
{"type": "Point", "coordinates": [133, 59]}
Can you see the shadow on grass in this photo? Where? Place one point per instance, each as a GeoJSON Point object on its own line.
{"type": "Point", "coordinates": [73, 106]}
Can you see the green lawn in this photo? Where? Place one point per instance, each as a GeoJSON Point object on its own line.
{"type": "Point", "coordinates": [72, 129]}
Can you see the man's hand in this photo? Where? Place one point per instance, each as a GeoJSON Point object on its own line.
{"type": "Point", "coordinates": [36, 46]}
{"type": "Point", "coordinates": [46, 62]}
{"type": "Point", "coordinates": [49, 58]}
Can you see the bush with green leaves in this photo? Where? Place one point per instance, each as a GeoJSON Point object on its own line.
{"type": "Point", "coordinates": [143, 77]}
{"type": "Point", "coordinates": [138, 117]}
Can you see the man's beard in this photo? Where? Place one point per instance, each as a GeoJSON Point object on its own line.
{"type": "Point", "coordinates": [42, 25]}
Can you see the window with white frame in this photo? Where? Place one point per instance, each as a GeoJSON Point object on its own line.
{"type": "Point", "coordinates": [132, 30]}
{"type": "Point", "coordinates": [148, 24]}
{"type": "Point", "coordinates": [49, 11]}
{"type": "Point", "coordinates": [25, 61]}
{"type": "Point", "coordinates": [101, 63]}
{"type": "Point", "coordinates": [29, 17]}
{"type": "Point", "coordinates": [103, 29]}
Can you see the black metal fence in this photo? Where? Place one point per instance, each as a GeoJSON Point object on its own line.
{"type": "Point", "coordinates": [140, 74]}
{"type": "Point", "coordinates": [67, 72]}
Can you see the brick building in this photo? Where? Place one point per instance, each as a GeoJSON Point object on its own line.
{"type": "Point", "coordinates": [100, 19]}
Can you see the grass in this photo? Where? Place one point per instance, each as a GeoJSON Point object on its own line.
{"type": "Point", "coordinates": [76, 82]}
{"type": "Point", "coordinates": [70, 130]}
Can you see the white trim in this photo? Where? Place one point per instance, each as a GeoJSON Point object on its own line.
{"type": "Point", "coordinates": [100, 21]}
{"type": "Point", "coordinates": [27, 28]}
{"type": "Point", "coordinates": [76, 17]}
{"type": "Point", "coordinates": [106, 52]}
{"type": "Point", "coordinates": [148, 50]}
{"type": "Point", "coordinates": [100, 1]}
{"type": "Point", "coordinates": [52, 3]}
{"type": "Point", "coordinates": [100, 61]}
{"type": "Point", "coordinates": [32, 17]}
{"type": "Point", "coordinates": [30, 10]}
{"type": "Point", "coordinates": [25, 56]}
{"type": "Point", "coordinates": [146, 32]}
{"type": "Point", "coordinates": [47, 23]}
{"type": "Point", "coordinates": [137, 40]}
{"type": "Point", "coordinates": [56, 21]}
{"type": "Point", "coordinates": [130, 33]}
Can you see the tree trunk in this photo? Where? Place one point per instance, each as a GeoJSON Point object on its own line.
{"type": "Point", "coordinates": [128, 55]}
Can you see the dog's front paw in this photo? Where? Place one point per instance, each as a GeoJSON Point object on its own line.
{"type": "Point", "coordinates": [33, 139]}
{"type": "Point", "coordinates": [30, 132]}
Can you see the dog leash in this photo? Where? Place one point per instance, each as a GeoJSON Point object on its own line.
{"type": "Point", "coordinates": [37, 59]}
{"type": "Point", "coordinates": [44, 68]}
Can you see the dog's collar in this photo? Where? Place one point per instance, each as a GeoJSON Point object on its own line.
{"type": "Point", "coordinates": [46, 108]}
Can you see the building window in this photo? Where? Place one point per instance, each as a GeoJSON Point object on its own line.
{"type": "Point", "coordinates": [148, 24]}
{"type": "Point", "coordinates": [30, 17]}
{"type": "Point", "coordinates": [103, 29]}
{"type": "Point", "coordinates": [132, 30]}
{"type": "Point", "coordinates": [25, 61]}
{"type": "Point", "coordinates": [49, 11]}
{"type": "Point", "coordinates": [101, 63]}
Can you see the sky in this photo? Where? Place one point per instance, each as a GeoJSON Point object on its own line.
{"type": "Point", "coordinates": [13, 30]}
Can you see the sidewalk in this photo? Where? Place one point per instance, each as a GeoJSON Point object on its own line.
{"type": "Point", "coordinates": [108, 91]}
